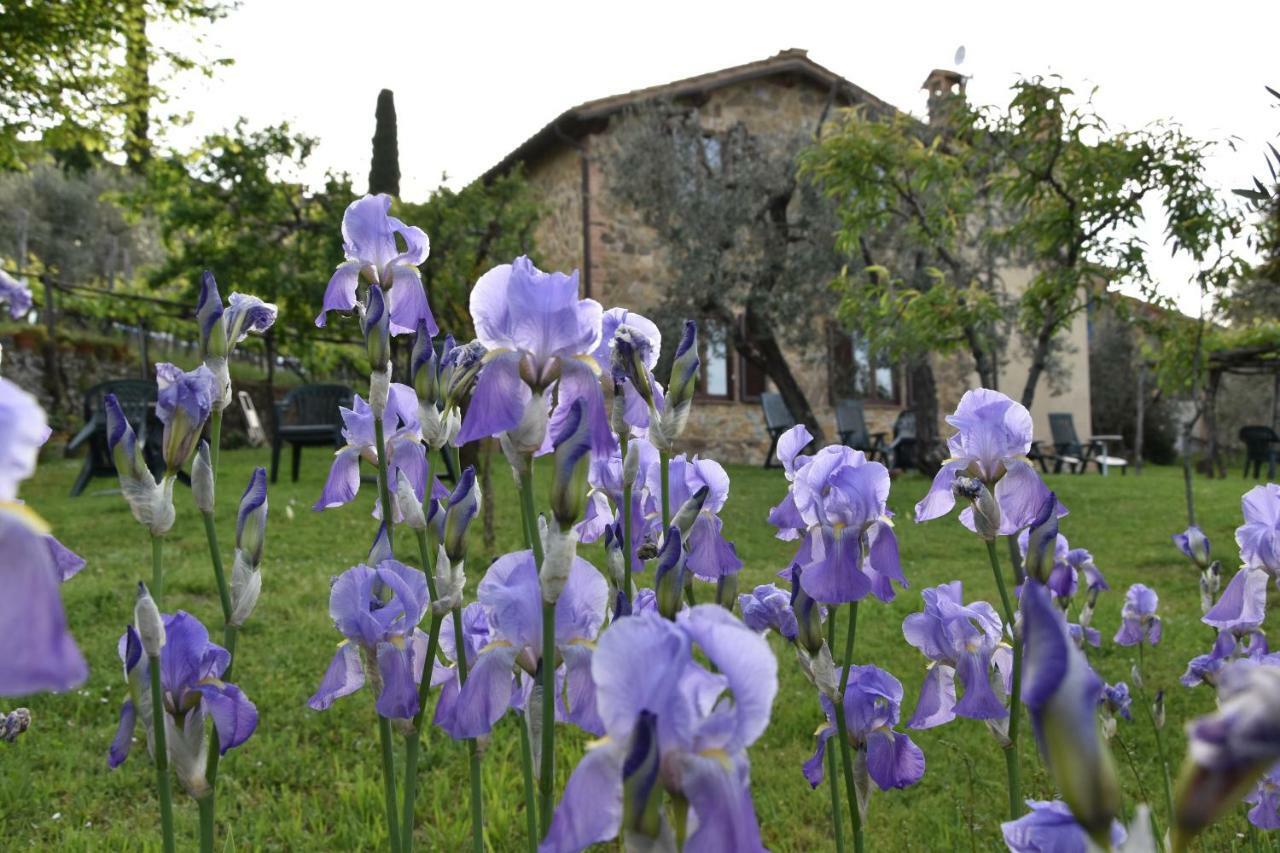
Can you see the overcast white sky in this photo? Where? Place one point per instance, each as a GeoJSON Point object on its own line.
{"type": "Point", "coordinates": [473, 80]}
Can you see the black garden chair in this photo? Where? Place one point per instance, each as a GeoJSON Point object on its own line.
{"type": "Point", "coordinates": [1077, 455]}
{"type": "Point", "coordinates": [777, 420]}
{"type": "Point", "coordinates": [1260, 445]}
{"type": "Point", "coordinates": [309, 416]}
{"type": "Point", "coordinates": [851, 424]}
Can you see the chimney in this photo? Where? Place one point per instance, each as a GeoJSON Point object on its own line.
{"type": "Point", "coordinates": [942, 86]}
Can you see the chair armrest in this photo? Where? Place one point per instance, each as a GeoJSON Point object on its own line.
{"type": "Point", "coordinates": [83, 435]}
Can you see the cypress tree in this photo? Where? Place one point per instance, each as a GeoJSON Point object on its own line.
{"type": "Point", "coordinates": [384, 170]}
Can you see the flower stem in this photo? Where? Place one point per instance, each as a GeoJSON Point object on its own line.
{"type": "Point", "coordinates": [528, 514]}
{"type": "Point", "coordinates": [1011, 763]}
{"type": "Point", "coordinates": [206, 804]}
{"type": "Point", "coordinates": [414, 738]}
{"type": "Point", "coordinates": [157, 569]}
{"type": "Point", "coordinates": [389, 783]}
{"type": "Point", "coordinates": [477, 794]}
{"type": "Point", "coordinates": [837, 825]}
{"type": "Point", "coordinates": [215, 439]}
{"type": "Point", "coordinates": [625, 511]}
{"type": "Point", "coordinates": [526, 771]}
{"type": "Point", "coordinates": [666, 491]}
{"type": "Point", "coordinates": [1151, 718]}
{"type": "Point", "coordinates": [384, 485]}
{"type": "Point", "coordinates": [548, 667]}
{"type": "Point", "coordinates": [842, 731]}
{"type": "Point", "coordinates": [219, 575]}
{"type": "Point", "coordinates": [163, 783]}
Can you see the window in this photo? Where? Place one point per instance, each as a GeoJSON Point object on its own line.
{"type": "Point", "coordinates": [860, 374]}
{"type": "Point", "coordinates": [716, 381]}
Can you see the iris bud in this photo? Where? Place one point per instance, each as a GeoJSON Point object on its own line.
{"type": "Point", "coordinates": [641, 796]}
{"type": "Point", "coordinates": [146, 616]}
{"type": "Point", "coordinates": [202, 479]}
{"type": "Point", "coordinates": [669, 576]}
{"type": "Point", "coordinates": [459, 367]}
{"type": "Point", "coordinates": [569, 483]}
{"type": "Point", "coordinates": [808, 616]}
{"type": "Point", "coordinates": [688, 512]}
{"type": "Point", "coordinates": [209, 317]}
{"type": "Point", "coordinates": [251, 520]}
{"type": "Point", "coordinates": [463, 505]}
{"type": "Point", "coordinates": [246, 586]}
{"type": "Point", "coordinates": [376, 325]}
{"type": "Point", "coordinates": [14, 723]}
{"type": "Point", "coordinates": [666, 426]}
{"type": "Point", "coordinates": [408, 505]}
{"type": "Point", "coordinates": [1041, 538]}
{"type": "Point", "coordinates": [986, 511]}
{"type": "Point", "coordinates": [727, 591]}
{"type": "Point", "coordinates": [425, 366]}
{"type": "Point", "coordinates": [630, 352]}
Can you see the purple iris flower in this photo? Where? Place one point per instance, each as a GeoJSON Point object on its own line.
{"type": "Point", "coordinates": [184, 403]}
{"type": "Point", "coordinates": [1229, 749]}
{"type": "Point", "coordinates": [1062, 578]}
{"type": "Point", "coordinates": [511, 597]}
{"type": "Point", "coordinates": [66, 563]}
{"type": "Point", "coordinates": [1082, 561]}
{"type": "Point", "coordinates": [1259, 536]}
{"type": "Point", "coordinates": [1194, 544]}
{"type": "Point", "coordinates": [872, 704]}
{"type": "Point", "coordinates": [537, 333]}
{"type": "Point", "coordinates": [836, 501]}
{"type": "Point", "coordinates": [15, 294]}
{"type": "Point", "coordinates": [221, 328]}
{"type": "Point", "coordinates": [1050, 828]}
{"type": "Point", "coordinates": [711, 556]}
{"type": "Point", "coordinates": [23, 431]}
{"type": "Point", "coordinates": [768, 606]}
{"type": "Point", "coordinates": [1265, 799]}
{"type": "Point", "coordinates": [369, 242]}
{"type": "Point", "coordinates": [1139, 622]}
{"type": "Point", "coordinates": [959, 640]}
{"type": "Point", "coordinates": [191, 670]}
{"type": "Point", "coordinates": [476, 634]}
{"type": "Point", "coordinates": [1117, 700]}
{"type": "Point", "coordinates": [40, 652]}
{"type": "Point", "coordinates": [628, 352]}
{"type": "Point", "coordinates": [669, 727]}
{"type": "Point", "coordinates": [991, 443]}
{"type": "Point", "coordinates": [1061, 694]}
{"type": "Point", "coordinates": [1243, 604]}
{"type": "Point", "coordinates": [403, 443]}
{"type": "Point", "coordinates": [604, 476]}
{"type": "Point", "coordinates": [1247, 643]}
{"type": "Point", "coordinates": [378, 611]}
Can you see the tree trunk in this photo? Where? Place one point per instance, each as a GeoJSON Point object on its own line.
{"type": "Point", "coordinates": [1039, 359]}
{"type": "Point", "coordinates": [983, 362]}
{"type": "Point", "coordinates": [930, 451]}
{"type": "Point", "coordinates": [757, 344]}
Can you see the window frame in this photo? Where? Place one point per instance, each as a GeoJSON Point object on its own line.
{"type": "Point", "coordinates": [730, 356]}
{"type": "Point", "coordinates": [870, 393]}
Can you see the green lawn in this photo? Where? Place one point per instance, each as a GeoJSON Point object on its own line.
{"type": "Point", "coordinates": [311, 780]}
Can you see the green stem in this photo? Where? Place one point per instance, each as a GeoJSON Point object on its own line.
{"type": "Point", "coordinates": [384, 485]}
{"type": "Point", "coordinates": [219, 575]}
{"type": "Point", "coordinates": [477, 793]}
{"type": "Point", "coordinates": [625, 511]}
{"type": "Point", "coordinates": [548, 668]}
{"type": "Point", "coordinates": [666, 491]}
{"type": "Point", "coordinates": [1011, 762]}
{"type": "Point", "coordinates": [837, 825]}
{"type": "Point", "coordinates": [206, 804]}
{"type": "Point", "coordinates": [215, 440]}
{"type": "Point", "coordinates": [157, 569]}
{"type": "Point", "coordinates": [414, 738]}
{"type": "Point", "coordinates": [389, 783]}
{"type": "Point", "coordinates": [163, 783]}
{"type": "Point", "coordinates": [526, 771]}
{"type": "Point", "coordinates": [528, 514]}
{"type": "Point", "coordinates": [1151, 718]}
{"type": "Point", "coordinates": [842, 731]}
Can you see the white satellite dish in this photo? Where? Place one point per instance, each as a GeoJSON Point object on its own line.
{"type": "Point", "coordinates": [960, 55]}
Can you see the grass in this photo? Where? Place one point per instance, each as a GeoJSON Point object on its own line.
{"type": "Point", "coordinates": [311, 781]}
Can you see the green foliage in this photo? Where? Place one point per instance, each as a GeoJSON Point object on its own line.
{"type": "Point", "coordinates": [62, 74]}
{"type": "Point", "coordinates": [237, 206]}
{"type": "Point", "coordinates": [471, 230]}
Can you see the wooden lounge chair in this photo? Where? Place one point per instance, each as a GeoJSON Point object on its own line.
{"type": "Point", "coordinates": [851, 424]}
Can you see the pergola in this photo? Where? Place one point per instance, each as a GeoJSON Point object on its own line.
{"type": "Point", "coordinates": [1253, 360]}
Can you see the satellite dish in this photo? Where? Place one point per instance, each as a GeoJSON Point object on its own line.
{"type": "Point", "coordinates": [960, 55]}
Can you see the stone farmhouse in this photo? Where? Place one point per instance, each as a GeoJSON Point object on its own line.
{"type": "Point", "coordinates": [621, 262]}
